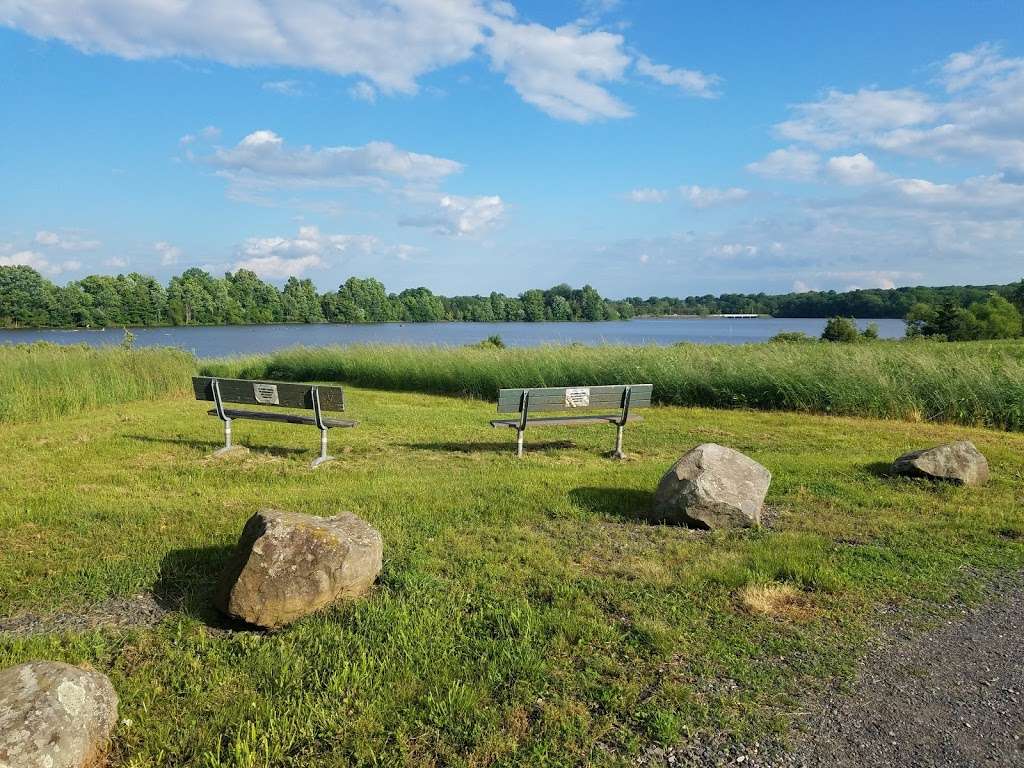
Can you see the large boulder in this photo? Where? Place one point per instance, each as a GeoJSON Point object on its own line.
{"type": "Point", "coordinates": [959, 463]}
{"type": "Point", "coordinates": [287, 565]}
{"type": "Point", "coordinates": [713, 487]}
{"type": "Point", "coordinates": [54, 715]}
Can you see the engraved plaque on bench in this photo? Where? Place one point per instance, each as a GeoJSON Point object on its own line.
{"type": "Point", "coordinates": [577, 398]}
{"type": "Point", "coordinates": [265, 394]}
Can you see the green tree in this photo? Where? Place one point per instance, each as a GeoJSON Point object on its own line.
{"type": "Point", "coordinates": [26, 297]}
{"type": "Point", "coordinates": [996, 318]}
{"type": "Point", "coordinates": [533, 305]}
{"type": "Point", "coordinates": [300, 302]}
{"type": "Point", "coordinates": [840, 329]}
{"type": "Point", "coordinates": [257, 301]}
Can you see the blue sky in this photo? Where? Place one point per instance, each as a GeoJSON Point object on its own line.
{"type": "Point", "coordinates": [648, 147]}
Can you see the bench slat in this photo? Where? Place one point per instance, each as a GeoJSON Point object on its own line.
{"type": "Point", "coordinates": [553, 398]}
{"type": "Point", "coordinates": [289, 418]}
{"type": "Point", "coordinates": [289, 394]}
{"type": "Point", "coordinates": [564, 421]}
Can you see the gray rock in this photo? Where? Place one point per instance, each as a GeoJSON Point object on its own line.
{"type": "Point", "coordinates": [959, 463]}
{"type": "Point", "coordinates": [713, 487]}
{"type": "Point", "coordinates": [54, 715]}
{"type": "Point", "coordinates": [287, 565]}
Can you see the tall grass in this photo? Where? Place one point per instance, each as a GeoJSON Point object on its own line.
{"type": "Point", "coordinates": [976, 383]}
{"type": "Point", "coordinates": [45, 381]}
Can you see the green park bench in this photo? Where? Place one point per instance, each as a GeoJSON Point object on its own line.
{"type": "Point", "coordinates": [526, 402]}
{"type": "Point", "coordinates": [310, 397]}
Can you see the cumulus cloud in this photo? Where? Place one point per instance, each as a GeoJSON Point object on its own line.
{"type": "Point", "coordinates": [855, 280]}
{"type": "Point", "coordinates": [310, 249]}
{"type": "Point", "coordinates": [460, 216]}
{"type": "Point", "coordinates": [40, 263]}
{"type": "Point", "coordinates": [690, 81]}
{"type": "Point", "coordinates": [209, 133]}
{"type": "Point", "coordinates": [168, 253]}
{"type": "Point", "coordinates": [283, 87]}
{"type": "Point", "coordinates": [560, 70]}
{"type": "Point", "coordinates": [263, 156]}
{"type": "Point", "coordinates": [790, 163]}
{"type": "Point", "coordinates": [854, 170]}
{"type": "Point", "coordinates": [648, 195]}
{"type": "Point", "coordinates": [978, 114]}
{"type": "Point", "coordinates": [694, 195]}
{"type": "Point", "coordinates": [563, 71]}
{"type": "Point", "coordinates": [705, 197]}
{"type": "Point", "coordinates": [65, 241]}
{"type": "Point", "coordinates": [363, 91]}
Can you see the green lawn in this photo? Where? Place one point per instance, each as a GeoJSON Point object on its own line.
{"type": "Point", "coordinates": [527, 614]}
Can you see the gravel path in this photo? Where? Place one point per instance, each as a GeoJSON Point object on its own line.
{"type": "Point", "coordinates": [950, 696]}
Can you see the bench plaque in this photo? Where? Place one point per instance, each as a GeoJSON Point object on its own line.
{"type": "Point", "coordinates": [265, 394]}
{"type": "Point", "coordinates": [577, 398]}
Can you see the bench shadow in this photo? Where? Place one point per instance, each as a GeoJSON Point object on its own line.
{"type": "Point", "coordinates": [186, 584]}
{"type": "Point", "coordinates": [212, 445]}
{"type": "Point", "coordinates": [488, 447]}
{"type": "Point", "coordinates": [625, 503]}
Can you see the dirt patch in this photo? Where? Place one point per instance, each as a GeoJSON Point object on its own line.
{"type": "Point", "coordinates": [142, 610]}
{"type": "Point", "coordinates": [776, 601]}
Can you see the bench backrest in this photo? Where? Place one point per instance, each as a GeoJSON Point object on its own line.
{"type": "Point", "coordinates": [285, 394]}
{"type": "Point", "coordinates": [575, 398]}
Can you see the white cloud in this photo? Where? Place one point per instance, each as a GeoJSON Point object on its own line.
{"type": "Point", "coordinates": [854, 170]}
{"type": "Point", "coordinates": [280, 257]}
{"type": "Point", "coordinates": [648, 195]}
{"type": "Point", "coordinates": [730, 250]}
{"type": "Point", "coordinates": [39, 262]}
{"type": "Point", "coordinates": [690, 81]}
{"type": "Point", "coordinates": [705, 197]}
{"type": "Point", "coordinates": [696, 196]}
{"type": "Point", "coordinates": [978, 114]}
{"type": "Point", "coordinates": [388, 43]}
{"type": "Point", "coordinates": [263, 156]}
{"type": "Point", "coordinates": [790, 163]}
{"type": "Point", "coordinates": [283, 87]}
{"type": "Point", "coordinates": [459, 216]}
{"type": "Point", "coordinates": [168, 253]}
{"type": "Point", "coordinates": [855, 280]}
{"type": "Point", "coordinates": [115, 262]}
{"type": "Point", "coordinates": [363, 91]}
{"type": "Point", "coordinates": [559, 70]}
{"type": "Point", "coordinates": [65, 241]}
{"type": "Point", "coordinates": [209, 133]}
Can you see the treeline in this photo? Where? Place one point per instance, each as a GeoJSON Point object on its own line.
{"type": "Point", "coordinates": [196, 297]}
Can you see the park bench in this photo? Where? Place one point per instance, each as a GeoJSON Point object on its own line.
{"type": "Point", "coordinates": [310, 397]}
{"type": "Point", "coordinates": [526, 402]}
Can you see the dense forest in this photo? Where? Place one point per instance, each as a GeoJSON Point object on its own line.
{"type": "Point", "coordinates": [195, 297]}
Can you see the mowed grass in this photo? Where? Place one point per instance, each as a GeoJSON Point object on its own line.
{"type": "Point", "coordinates": [45, 381]}
{"type": "Point", "coordinates": [528, 612]}
{"type": "Point", "coordinates": [970, 383]}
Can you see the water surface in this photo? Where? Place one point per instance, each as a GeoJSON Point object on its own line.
{"type": "Point", "coordinates": [219, 341]}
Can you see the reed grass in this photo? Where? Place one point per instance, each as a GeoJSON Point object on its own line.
{"type": "Point", "coordinates": [45, 381]}
{"type": "Point", "coordinates": [971, 383]}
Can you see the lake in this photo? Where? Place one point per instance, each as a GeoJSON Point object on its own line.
{"type": "Point", "coordinates": [219, 341]}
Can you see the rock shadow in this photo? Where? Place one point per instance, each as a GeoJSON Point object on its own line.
{"type": "Point", "coordinates": [880, 469]}
{"type": "Point", "coordinates": [186, 584]}
{"type": "Point", "coordinates": [624, 503]}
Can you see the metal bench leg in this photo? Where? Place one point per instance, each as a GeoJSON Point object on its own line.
{"type": "Point", "coordinates": [318, 415]}
{"type": "Point", "coordinates": [323, 457]}
{"type": "Point", "coordinates": [524, 413]}
{"type": "Point", "coordinates": [519, 442]}
{"type": "Point", "coordinates": [617, 453]}
{"type": "Point", "coordinates": [227, 439]}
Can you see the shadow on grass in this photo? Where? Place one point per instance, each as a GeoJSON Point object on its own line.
{"type": "Point", "coordinates": [213, 445]}
{"type": "Point", "coordinates": [492, 447]}
{"type": "Point", "coordinates": [186, 584]}
{"type": "Point", "coordinates": [879, 469]}
{"type": "Point", "coordinates": [625, 503]}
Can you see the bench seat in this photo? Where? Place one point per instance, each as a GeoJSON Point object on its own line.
{"type": "Point", "coordinates": [568, 421]}
{"type": "Point", "coordinates": [289, 418]}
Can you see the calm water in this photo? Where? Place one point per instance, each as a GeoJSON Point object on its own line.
{"type": "Point", "coordinates": [244, 340]}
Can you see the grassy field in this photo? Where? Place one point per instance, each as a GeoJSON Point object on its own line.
{"type": "Point", "coordinates": [44, 381]}
{"type": "Point", "coordinates": [973, 383]}
{"type": "Point", "coordinates": [528, 613]}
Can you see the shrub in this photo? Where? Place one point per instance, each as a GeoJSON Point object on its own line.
{"type": "Point", "coordinates": [840, 329]}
